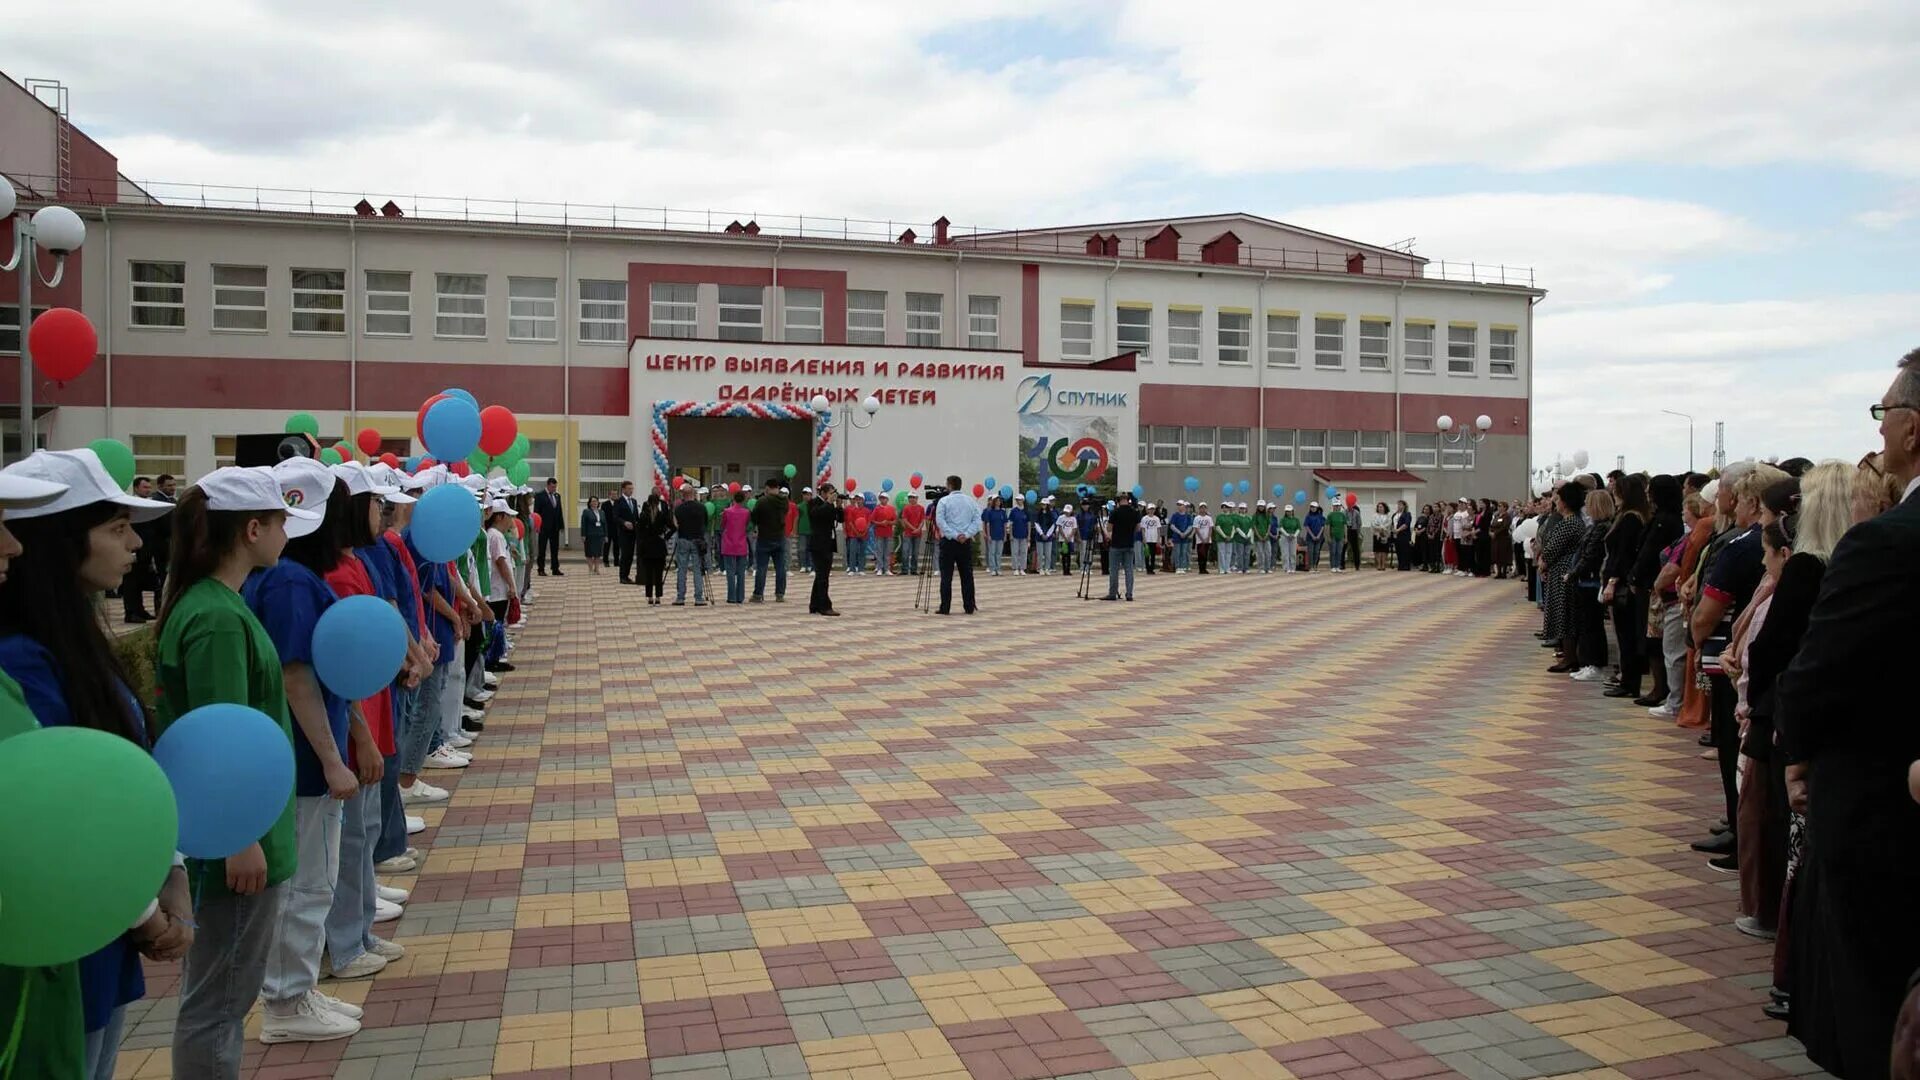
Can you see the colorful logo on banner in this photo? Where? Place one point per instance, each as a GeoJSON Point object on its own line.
{"type": "Point", "coordinates": [1058, 451]}
{"type": "Point", "coordinates": [1082, 460]}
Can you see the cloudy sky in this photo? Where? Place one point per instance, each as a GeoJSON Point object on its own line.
{"type": "Point", "coordinates": [1723, 198]}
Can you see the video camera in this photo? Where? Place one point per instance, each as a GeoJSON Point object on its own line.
{"type": "Point", "coordinates": [932, 493]}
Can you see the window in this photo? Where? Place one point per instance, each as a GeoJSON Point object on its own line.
{"type": "Point", "coordinates": [1283, 340]}
{"type": "Point", "coordinates": [1342, 448]}
{"type": "Point", "coordinates": [1456, 457]}
{"type": "Point", "coordinates": [603, 312]}
{"type": "Point", "coordinates": [602, 466]}
{"type": "Point", "coordinates": [156, 454]}
{"type": "Point", "coordinates": [741, 314]}
{"type": "Point", "coordinates": [1133, 330]}
{"type": "Point", "coordinates": [1146, 436]}
{"type": "Point", "coordinates": [1419, 451]}
{"type": "Point", "coordinates": [1374, 344]}
{"type": "Point", "coordinates": [866, 317]}
{"type": "Point", "coordinates": [1503, 351]}
{"type": "Point", "coordinates": [389, 303]}
{"type": "Point", "coordinates": [1418, 356]}
{"type": "Point", "coordinates": [1373, 449]}
{"type": "Point", "coordinates": [10, 326]}
{"type": "Point", "coordinates": [460, 305]}
{"type": "Point", "coordinates": [1183, 335]}
{"type": "Point", "coordinates": [983, 322]}
{"type": "Point", "coordinates": [319, 301]}
{"type": "Point", "coordinates": [675, 310]}
{"type": "Point", "coordinates": [1166, 445]}
{"type": "Point", "coordinates": [1313, 448]}
{"type": "Point", "coordinates": [1462, 343]}
{"type": "Point", "coordinates": [1330, 341]}
{"type": "Point", "coordinates": [1234, 445]}
{"type": "Point", "coordinates": [540, 461]}
{"type": "Point", "coordinates": [1199, 446]}
{"type": "Point", "coordinates": [533, 309]}
{"type": "Point", "coordinates": [160, 295]}
{"type": "Point", "coordinates": [224, 450]}
{"type": "Point", "coordinates": [1236, 336]}
{"type": "Point", "coordinates": [240, 299]}
{"type": "Point", "coordinates": [805, 315]}
{"type": "Point", "coordinates": [1280, 446]}
{"type": "Point", "coordinates": [1076, 330]}
{"type": "Point", "coordinates": [923, 318]}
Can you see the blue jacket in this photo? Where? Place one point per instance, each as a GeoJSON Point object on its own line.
{"type": "Point", "coordinates": [1315, 526]}
{"type": "Point", "coordinates": [1018, 518]}
{"type": "Point", "coordinates": [995, 518]}
{"type": "Point", "coordinates": [1044, 519]}
{"type": "Point", "coordinates": [1181, 525]}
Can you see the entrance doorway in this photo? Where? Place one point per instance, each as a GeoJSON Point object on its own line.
{"type": "Point", "coordinates": [723, 449]}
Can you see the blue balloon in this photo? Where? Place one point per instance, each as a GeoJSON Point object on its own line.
{"type": "Point", "coordinates": [1139, 492]}
{"type": "Point", "coordinates": [1006, 492]}
{"type": "Point", "coordinates": [445, 522]}
{"type": "Point", "coordinates": [1053, 483]}
{"type": "Point", "coordinates": [1193, 483]}
{"type": "Point", "coordinates": [1300, 496]}
{"type": "Point", "coordinates": [451, 430]}
{"type": "Point", "coordinates": [456, 392]}
{"type": "Point", "coordinates": [1244, 486]}
{"type": "Point", "coordinates": [1279, 491]}
{"type": "Point", "coordinates": [358, 646]}
{"type": "Point", "coordinates": [1109, 504]}
{"type": "Point", "coordinates": [886, 485]}
{"type": "Point", "coordinates": [231, 768]}
{"type": "Point", "coordinates": [988, 483]}
{"type": "Point", "coordinates": [1333, 493]}
{"type": "Point", "coordinates": [413, 463]}
{"type": "Point", "coordinates": [1226, 489]}
{"type": "Point", "coordinates": [1032, 496]}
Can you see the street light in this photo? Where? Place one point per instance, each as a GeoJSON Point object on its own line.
{"type": "Point", "coordinates": [849, 420]}
{"type": "Point", "coordinates": [61, 232]}
{"type": "Point", "coordinates": [1689, 419]}
{"type": "Point", "coordinates": [1454, 433]}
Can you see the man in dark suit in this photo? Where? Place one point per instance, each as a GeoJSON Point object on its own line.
{"type": "Point", "coordinates": [823, 513]}
{"type": "Point", "coordinates": [1844, 714]}
{"type": "Point", "coordinates": [623, 514]}
{"type": "Point", "coordinates": [553, 519]}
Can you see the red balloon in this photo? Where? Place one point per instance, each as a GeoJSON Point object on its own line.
{"type": "Point", "coordinates": [852, 483]}
{"type": "Point", "coordinates": [427, 463]}
{"type": "Point", "coordinates": [459, 468]}
{"type": "Point", "coordinates": [369, 440]}
{"type": "Point", "coordinates": [1352, 499]}
{"type": "Point", "coordinates": [679, 482]}
{"type": "Point", "coordinates": [497, 430]}
{"type": "Point", "coordinates": [979, 490]}
{"type": "Point", "coordinates": [915, 480]}
{"type": "Point", "coordinates": [420, 421]}
{"type": "Point", "coordinates": [390, 460]}
{"type": "Point", "coordinates": [732, 487]}
{"type": "Point", "coordinates": [536, 523]}
{"type": "Point", "coordinates": [345, 451]}
{"type": "Point", "coordinates": [63, 343]}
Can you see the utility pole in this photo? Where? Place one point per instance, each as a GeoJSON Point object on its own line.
{"type": "Point", "coordinates": [1720, 444]}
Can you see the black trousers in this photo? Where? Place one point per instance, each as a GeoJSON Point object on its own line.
{"type": "Point", "coordinates": [1403, 553]}
{"type": "Point", "coordinates": [623, 542]}
{"type": "Point", "coordinates": [653, 574]}
{"type": "Point", "coordinates": [956, 555]}
{"type": "Point", "coordinates": [547, 553]}
{"type": "Point", "coordinates": [1630, 626]}
{"type": "Point", "coordinates": [822, 566]}
{"type": "Point", "coordinates": [1725, 728]}
{"type": "Point", "coordinates": [1202, 549]}
{"type": "Point", "coordinates": [1533, 581]}
{"type": "Point", "coordinates": [133, 590]}
{"type": "Point", "coordinates": [1589, 626]}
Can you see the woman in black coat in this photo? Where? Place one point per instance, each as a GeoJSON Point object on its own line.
{"type": "Point", "coordinates": [1483, 539]}
{"type": "Point", "coordinates": [1663, 528]}
{"type": "Point", "coordinates": [1589, 618]}
{"type": "Point", "coordinates": [1623, 554]}
{"type": "Point", "coordinates": [593, 533]}
{"type": "Point", "coordinates": [1559, 544]}
{"type": "Point", "coordinates": [650, 535]}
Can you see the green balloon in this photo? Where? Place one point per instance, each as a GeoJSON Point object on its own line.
{"type": "Point", "coordinates": [480, 462]}
{"type": "Point", "coordinates": [301, 423]}
{"type": "Point", "coordinates": [753, 502]}
{"type": "Point", "coordinates": [518, 472]}
{"type": "Point", "coordinates": [790, 471]}
{"type": "Point", "coordinates": [516, 452]}
{"type": "Point", "coordinates": [117, 457]}
{"type": "Point", "coordinates": [330, 456]}
{"type": "Point", "coordinates": [900, 500]}
{"type": "Point", "coordinates": [75, 873]}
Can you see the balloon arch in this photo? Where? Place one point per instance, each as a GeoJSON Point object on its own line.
{"type": "Point", "coordinates": [752, 410]}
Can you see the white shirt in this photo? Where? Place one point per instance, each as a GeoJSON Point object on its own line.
{"type": "Point", "coordinates": [1458, 524]}
{"type": "Point", "coordinates": [1150, 529]}
{"type": "Point", "coordinates": [1066, 527]}
{"type": "Point", "coordinates": [1911, 484]}
{"type": "Point", "coordinates": [1203, 528]}
{"type": "Point", "coordinates": [497, 585]}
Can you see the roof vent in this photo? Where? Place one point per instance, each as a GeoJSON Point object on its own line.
{"type": "Point", "coordinates": [751, 228]}
{"type": "Point", "coordinates": [1357, 263]}
{"type": "Point", "coordinates": [363, 208]}
{"type": "Point", "coordinates": [392, 209]}
{"type": "Point", "coordinates": [735, 228]}
{"type": "Point", "coordinates": [1164, 244]}
{"type": "Point", "coordinates": [1222, 250]}
{"type": "Point", "coordinates": [908, 237]}
{"type": "Point", "coordinates": [940, 230]}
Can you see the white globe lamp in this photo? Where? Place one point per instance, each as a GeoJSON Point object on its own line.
{"type": "Point", "coordinates": [58, 229]}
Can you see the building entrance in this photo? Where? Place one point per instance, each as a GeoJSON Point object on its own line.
{"type": "Point", "coordinates": [732, 449]}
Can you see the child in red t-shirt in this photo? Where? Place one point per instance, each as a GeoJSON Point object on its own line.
{"type": "Point", "coordinates": [859, 520]}
{"type": "Point", "coordinates": [913, 533]}
{"type": "Point", "coordinates": [884, 516]}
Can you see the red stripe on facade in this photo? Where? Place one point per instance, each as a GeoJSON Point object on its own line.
{"type": "Point", "coordinates": [1030, 314]}
{"type": "Point", "coordinates": [1358, 410]}
{"type": "Point", "coordinates": [1510, 415]}
{"type": "Point", "coordinates": [642, 276]}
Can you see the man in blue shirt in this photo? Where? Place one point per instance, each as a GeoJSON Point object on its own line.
{"type": "Point", "coordinates": [957, 518]}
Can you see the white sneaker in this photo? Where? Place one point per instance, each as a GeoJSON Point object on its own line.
{"type": "Point", "coordinates": [364, 966]}
{"type": "Point", "coordinates": [483, 696]}
{"type": "Point", "coordinates": [385, 911]}
{"type": "Point", "coordinates": [460, 741]}
{"type": "Point", "coordinates": [305, 1020]}
{"type": "Point", "coordinates": [327, 1001]}
{"type": "Point", "coordinates": [399, 864]}
{"type": "Point", "coordinates": [422, 792]}
{"type": "Point", "coordinates": [387, 950]}
{"type": "Point", "coordinates": [413, 853]}
{"type": "Point", "coordinates": [1663, 712]}
{"type": "Point", "coordinates": [1587, 674]}
{"type": "Point", "coordinates": [391, 895]}
{"type": "Point", "coordinates": [416, 825]}
{"type": "Point", "coordinates": [445, 758]}
{"type": "Point", "coordinates": [492, 681]}
{"type": "Point", "coordinates": [475, 715]}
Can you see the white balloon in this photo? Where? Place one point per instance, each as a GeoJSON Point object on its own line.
{"type": "Point", "coordinates": [1580, 459]}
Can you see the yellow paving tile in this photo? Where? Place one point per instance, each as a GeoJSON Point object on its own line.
{"type": "Point", "coordinates": [1062, 798]}
{"type": "Point", "coordinates": [480, 858]}
{"type": "Point", "coordinates": [1114, 896]}
{"type": "Point", "coordinates": [951, 770]}
{"type": "Point", "coordinates": [1061, 939]}
{"type": "Point", "coordinates": [814, 817]}
{"type": "Point", "coordinates": [866, 886]}
{"type": "Point", "coordinates": [702, 975]}
{"type": "Point", "coordinates": [1398, 867]}
{"type": "Point", "coordinates": [657, 873]}
{"type": "Point", "coordinates": [1325, 953]}
{"type": "Point", "coordinates": [1021, 821]}
{"type": "Point", "coordinates": [657, 806]}
{"type": "Point", "coordinates": [1631, 875]}
{"type": "Point", "coordinates": [1614, 1030]}
{"type": "Point", "coordinates": [961, 997]}
{"type": "Point", "coordinates": [1364, 907]}
{"type": "Point", "coordinates": [1632, 841]}
{"type": "Point", "coordinates": [1240, 1065]}
{"type": "Point", "coordinates": [799, 926]}
{"type": "Point", "coordinates": [960, 849]}
{"type": "Point", "coordinates": [1442, 808]}
{"type": "Point", "coordinates": [918, 1054]}
{"type": "Point", "coordinates": [903, 791]}
{"type": "Point", "coordinates": [570, 909]}
{"type": "Point", "coordinates": [1288, 1012]}
{"type": "Point", "coordinates": [1176, 858]}
{"type": "Point", "coordinates": [447, 954]}
{"type": "Point", "coordinates": [1627, 916]}
{"type": "Point", "coordinates": [756, 841]}
{"type": "Point", "coordinates": [1116, 777]}
{"type": "Point", "coordinates": [573, 830]}
{"type": "Point", "coordinates": [729, 785]}
{"type": "Point", "coordinates": [1221, 827]}
{"type": "Point", "coordinates": [1253, 802]}
{"type": "Point", "coordinates": [1621, 966]}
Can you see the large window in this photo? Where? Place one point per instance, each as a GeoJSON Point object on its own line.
{"type": "Point", "coordinates": [319, 301]}
{"type": "Point", "coordinates": [983, 322]}
{"type": "Point", "coordinates": [1283, 340]}
{"type": "Point", "coordinates": [1236, 336]}
{"type": "Point", "coordinates": [805, 316]}
{"type": "Point", "coordinates": [1373, 449]}
{"type": "Point", "coordinates": [1145, 439]}
{"type": "Point", "coordinates": [1463, 356]}
{"type": "Point", "coordinates": [1418, 354]}
{"type": "Point", "coordinates": [1280, 446]}
{"type": "Point", "coordinates": [1419, 451]}
{"type": "Point", "coordinates": [1183, 335]}
{"type": "Point", "coordinates": [1343, 448]}
{"type": "Point", "coordinates": [389, 303]}
{"type": "Point", "coordinates": [1503, 351]}
{"type": "Point", "coordinates": [533, 309]}
{"type": "Point", "coordinates": [1313, 448]}
{"type": "Point", "coordinates": [1456, 457]}
{"type": "Point", "coordinates": [673, 310]}
{"type": "Point", "coordinates": [225, 447]}
{"type": "Point", "coordinates": [159, 295]}
{"type": "Point", "coordinates": [866, 317]}
{"type": "Point", "coordinates": [603, 312]}
{"type": "Point", "coordinates": [1133, 329]}
{"type": "Point", "coordinates": [156, 454]}
{"type": "Point", "coordinates": [1329, 341]}
{"type": "Point", "coordinates": [240, 299]}
{"type": "Point", "coordinates": [1199, 446]}
{"type": "Point", "coordinates": [1076, 330]}
{"type": "Point", "coordinates": [1166, 445]}
{"type": "Point", "coordinates": [1234, 449]}
{"type": "Point", "coordinates": [1375, 341]}
{"type": "Point", "coordinates": [924, 311]}
{"type": "Point", "coordinates": [10, 326]}
{"type": "Point", "coordinates": [460, 305]}
{"type": "Point", "coordinates": [742, 313]}
{"type": "Point", "coordinates": [541, 460]}
{"type": "Point", "coordinates": [602, 466]}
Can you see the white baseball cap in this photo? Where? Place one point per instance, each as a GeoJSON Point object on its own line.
{"type": "Point", "coordinates": [304, 483]}
{"type": "Point", "coordinates": [86, 482]}
{"type": "Point", "coordinates": [248, 489]}
{"type": "Point", "coordinates": [360, 480]}
{"type": "Point", "coordinates": [499, 506]}
{"type": "Point", "coordinates": [21, 492]}
{"type": "Point", "coordinates": [806, 491]}
{"type": "Point", "coordinates": [431, 477]}
{"type": "Point", "coordinates": [1288, 508]}
{"type": "Point", "coordinates": [1019, 498]}
{"type": "Point", "coordinates": [388, 476]}
{"type": "Point", "coordinates": [474, 482]}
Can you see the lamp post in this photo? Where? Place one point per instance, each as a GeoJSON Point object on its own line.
{"type": "Point", "coordinates": [1689, 419]}
{"type": "Point", "coordinates": [847, 421]}
{"type": "Point", "coordinates": [1454, 433]}
{"type": "Point", "coordinates": [61, 232]}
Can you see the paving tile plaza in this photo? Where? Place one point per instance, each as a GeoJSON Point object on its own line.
{"type": "Point", "coordinates": [1256, 827]}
